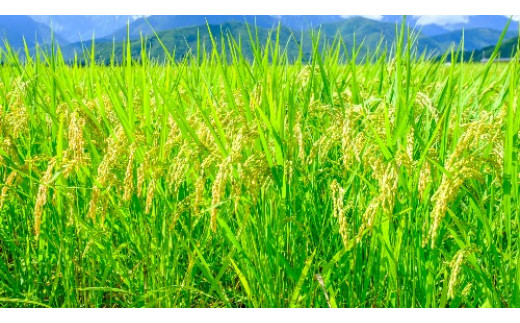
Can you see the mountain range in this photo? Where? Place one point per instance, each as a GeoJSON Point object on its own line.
{"type": "Point", "coordinates": [435, 33]}
{"type": "Point", "coordinates": [17, 29]}
{"type": "Point", "coordinates": [75, 28]}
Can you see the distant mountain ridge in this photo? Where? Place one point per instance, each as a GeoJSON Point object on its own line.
{"type": "Point", "coordinates": [303, 22]}
{"type": "Point", "coordinates": [431, 27]}
{"type": "Point", "coordinates": [180, 30]}
{"type": "Point", "coordinates": [17, 28]}
{"type": "Point", "coordinates": [507, 49]}
{"type": "Point", "coordinates": [474, 39]}
{"type": "Point", "coordinates": [76, 27]}
{"type": "Point", "coordinates": [162, 23]}
{"type": "Point", "coordinates": [353, 31]}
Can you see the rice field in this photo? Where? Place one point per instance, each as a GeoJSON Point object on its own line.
{"type": "Point", "coordinates": [217, 181]}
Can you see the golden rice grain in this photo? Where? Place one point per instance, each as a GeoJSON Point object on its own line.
{"type": "Point", "coordinates": [149, 195]}
{"type": "Point", "coordinates": [5, 189]}
{"type": "Point", "coordinates": [129, 177]}
{"type": "Point", "coordinates": [93, 203]}
{"type": "Point", "coordinates": [199, 193]}
{"type": "Point", "coordinates": [455, 267]}
{"type": "Point", "coordinates": [217, 191]}
{"type": "Point", "coordinates": [75, 135]}
{"type": "Point", "coordinates": [41, 198]}
{"type": "Point", "coordinates": [338, 194]}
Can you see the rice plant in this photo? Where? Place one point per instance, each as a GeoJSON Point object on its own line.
{"type": "Point", "coordinates": [220, 181]}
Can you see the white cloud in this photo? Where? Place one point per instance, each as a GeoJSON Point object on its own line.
{"type": "Point", "coordinates": [373, 17]}
{"type": "Point", "coordinates": [515, 18]}
{"type": "Point", "coordinates": [135, 17]}
{"type": "Point", "coordinates": [441, 20]}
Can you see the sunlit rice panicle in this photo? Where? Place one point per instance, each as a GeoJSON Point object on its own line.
{"type": "Point", "coordinates": [455, 266]}
{"type": "Point", "coordinates": [256, 95]}
{"type": "Point", "coordinates": [424, 103]}
{"type": "Point", "coordinates": [129, 177]}
{"type": "Point", "coordinates": [352, 139]}
{"type": "Point", "coordinates": [337, 198]}
{"type": "Point", "coordinates": [410, 139]}
{"type": "Point", "coordinates": [347, 143]}
{"type": "Point", "coordinates": [320, 147]}
{"type": "Point", "coordinates": [403, 160]}
{"type": "Point", "coordinates": [76, 140]}
{"type": "Point", "coordinates": [17, 119]}
{"type": "Point", "coordinates": [5, 189]}
{"type": "Point", "coordinates": [289, 170]}
{"type": "Point", "coordinates": [199, 193]}
{"type": "Point", "coordinates": [41, 198]}
{"type": "Point", "coordinates": [255, 173]}
{"type": "Point", "coordinates": [359, 145]}
{"type": "Point", "coordinates": [447, 191]}
{"type": "Point", "coordinates": [404, 156]}
{"type": "Point", "coordinates": [174, 136]}
{"type": "Point", "coordinates": [181, 207]}
{"type": "Point", "coordinates": [338, 194]}
{"type": "Point", "coordinates": [467, 290]}
{"type": "Point", "coordinates": [149, 195]}
{"type": "Point", "coordinates": [93, 203]}
{"type": "Point", "coordinates": [140, 178]}
{"type": "Point", "coordinates": [497, 160]}
{"type": "Point", "coordinates": [303, 77]}
{"type": "Point", "coordinates": [238, 97]}
{"type": "Point", "coordinates": [177, 172]}
{"type": "Point", "coordinates": [425, 179]}
{"type": "Point", "coordinates": [388, 189]}
{"type": "Point", "coordinates": [236, 192]}
{"type": "Point", "coordinates": [207, 139]}
{"type": "Point", "coordinates": [115, 146]}
{"type": "Point", "coordinates": [463, 164]}
{"type": "Point", "coordinates": [6, 145]}
{"type": "Point", "coordinates": [236, 147]}
{"type": "Point", "coordinates": [369, 217]}
{"type": "Point", "coordinates": [218, 190]}
{"type": "Point", "coordinates": [298, 133]}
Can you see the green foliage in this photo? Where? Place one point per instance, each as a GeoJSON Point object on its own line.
{"type": "Point", "coordinates": [236, 175]}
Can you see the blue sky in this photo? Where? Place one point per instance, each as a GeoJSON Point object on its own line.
{"type": "Point", "coordinates": [422, 20]}
{"type": "Point", "coordinates": [443, 21]}
{"type": "Point", "coordinates": [447, 20]}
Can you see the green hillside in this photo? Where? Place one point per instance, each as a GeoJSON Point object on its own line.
{"type": "Point", "coordinates": [508, 49]}
{"type": "Point", "coordinates": [473, 38]}
{"type": "Point", "coordinates": [179, 42]}
{"type": "Point", "coordinates": [364, 34]}
{"type": "Point", "coordinates": [355, 31]}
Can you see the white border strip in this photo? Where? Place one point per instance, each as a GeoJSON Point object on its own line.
{"type": "Point", "coordinates": [257, 315]}
{"type": "Point", "coordinates": [263, 7]}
